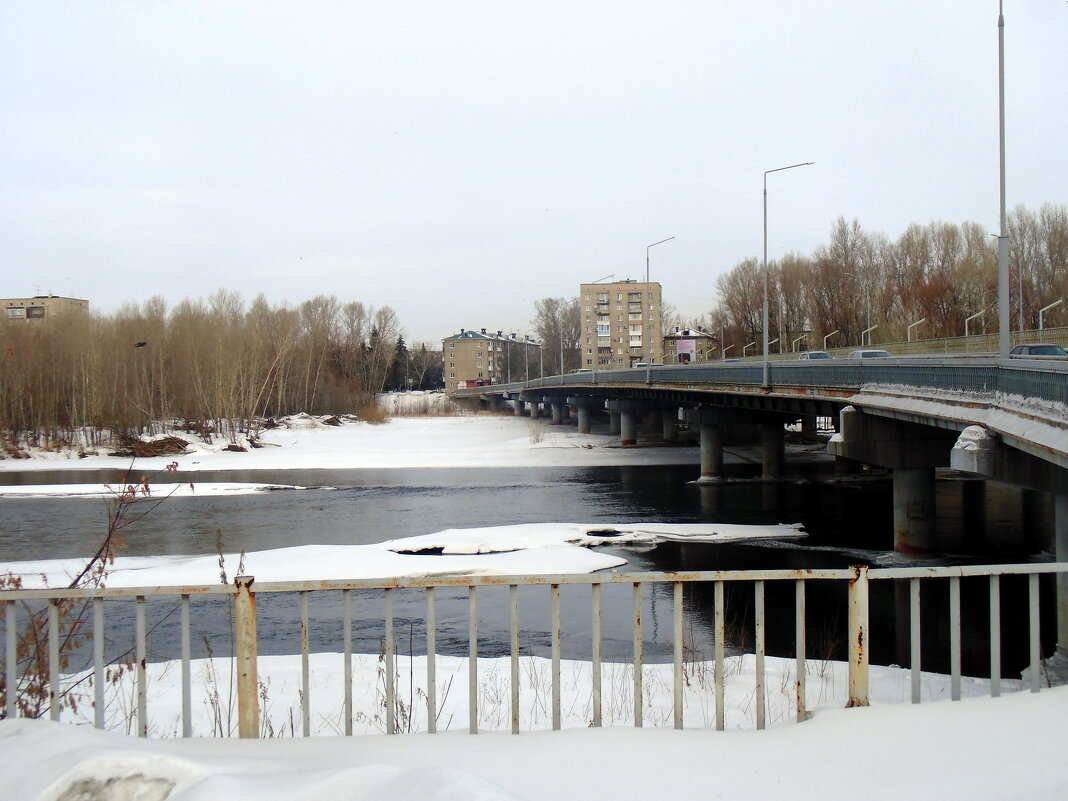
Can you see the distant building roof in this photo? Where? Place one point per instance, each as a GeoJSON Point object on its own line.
{"type": "Point", "coordinates": [494, 335]}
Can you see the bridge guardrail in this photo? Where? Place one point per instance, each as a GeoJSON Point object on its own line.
{"type": "Point", "coordinates": [244, 594]}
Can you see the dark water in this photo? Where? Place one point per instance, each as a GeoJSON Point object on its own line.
{"type": "Point", "coordinates": [849, 522]}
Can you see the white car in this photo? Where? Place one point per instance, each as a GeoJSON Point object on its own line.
{"type": "Point", "coordinates": [869, 353]}
{"type": "Point", "coordinates": [814, 354]}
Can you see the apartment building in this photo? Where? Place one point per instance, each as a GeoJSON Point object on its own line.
{"type": "Point", "coordinates": [620, 324]}
{"type": "Point", "coordinates": [689, 345]}
{"type": "Point", "coordinates": [481, 358]}
{"type": "Point", "coordinates": [39, 307]}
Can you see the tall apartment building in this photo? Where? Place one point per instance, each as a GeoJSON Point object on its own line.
{"type": "Point", "coordinates": [481, 358]}
{"type": "Point", "coordinates": [620, 324]}
{"type": "Point", "coordinates": [39, 307]}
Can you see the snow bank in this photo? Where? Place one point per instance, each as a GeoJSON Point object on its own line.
{"type": "Point", "coordinates": [978, 749]}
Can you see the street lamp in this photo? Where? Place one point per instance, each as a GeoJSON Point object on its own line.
{"type": "Point", "coordinates": [767, 369]}
{"type": "Point", "coordinates": [648, 317]}
{"type": "Point", "coordinates": [1045, 309]}
{"type": "Point", "coordinates": [1003, 236]}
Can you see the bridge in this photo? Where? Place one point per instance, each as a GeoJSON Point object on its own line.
{"type": "Point", "coordinates": [1004, 419]}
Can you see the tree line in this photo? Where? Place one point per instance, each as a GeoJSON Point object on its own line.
{"type": "Point", "coordinates": [215, 365]}
{"type": "Point", "coordinates": [940, 272]}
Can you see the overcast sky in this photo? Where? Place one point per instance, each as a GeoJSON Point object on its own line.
{"type": "Point", "coordinates": [459, 160]}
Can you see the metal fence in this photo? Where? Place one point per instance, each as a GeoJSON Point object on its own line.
{"type": "Point", "coordinates": [244, 591]}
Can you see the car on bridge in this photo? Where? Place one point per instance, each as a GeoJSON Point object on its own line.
{"type": "Point", "coordinates": [869, 353]}
{"type": "Point", "coordinates": [814, 354]}
{"type": "Point", "coordinates": [1039, 350]}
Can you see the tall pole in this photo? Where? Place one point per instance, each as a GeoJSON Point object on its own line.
{"type": "Point", "coordinates": [767, 368]}
{"type": "Point", "coordinates": [1003, 237]}
{"type": "Point", "coordinates": [645, 315]}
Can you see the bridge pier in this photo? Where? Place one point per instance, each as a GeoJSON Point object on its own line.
{"type": "Point", "coordinates": [613, 421]}
{"type": "Point", "coordinates": [914, 510]}
{"type": "Point", "coordinates": [628, 427]}
{"type": "Point", "coordinates": [517, 407]}
{"type": "Point", "coordinates": [710, 422]}
{"type": "Point", "coordinates": [1060, 528]}
{"type": "Point", "coordinates": [669, 419]}
{"type": "Point", "coordinates": [912, 452]}
{"type": "Point", "coordinates": [535, 408]}
{"type": "Point", "coordinates": [558, 412]}
{"type": "Point", "coordinates": [583, 408]}
{"type": "Point", "coordinates": [773, 447]}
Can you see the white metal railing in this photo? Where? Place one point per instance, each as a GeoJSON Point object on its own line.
{"type": "Point", "coordinates": [244, 592]}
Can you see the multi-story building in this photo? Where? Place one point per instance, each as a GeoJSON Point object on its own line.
{"type": "Point", "coordinates": [689, 345]}
{"type": "Point", "coordinates": [620, 324]}
{"type": "Point", "coordinates": [481, 358]}
{"type": "Point", "coordinates": [40, 307]}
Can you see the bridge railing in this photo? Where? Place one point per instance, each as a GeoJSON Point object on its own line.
{"type": "Point", "coordinates": [243, 593]}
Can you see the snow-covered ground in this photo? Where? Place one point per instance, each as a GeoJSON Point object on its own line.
{"type": "Point", "coordinates": [306, 442]}
{"type": "Point", "coordinates": [974, 750]}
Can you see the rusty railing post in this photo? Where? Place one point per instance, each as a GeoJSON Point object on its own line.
{"type": "Point", "coordinates": [858, 637]}
{"type": "Point", "coordinates": [248, 705]}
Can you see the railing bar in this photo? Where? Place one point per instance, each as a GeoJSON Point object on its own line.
{"type": "Point", "coordinates": [638, 655]}
{"type": "Point", "coordinates": [954, 638]}
{"type": "Point", "coordinates": [513, 602]}
{"type": "Point", "coordinates": [504, 581]}
{"type": "Point", "coordinates": [995, 636]}
{"type": "Point", "coordinates": [142, 670]}
{"type": "Point", "coordinates": [758, 636]}
{"type": "Point", "coordinates": [472, 659]}
{"type": "Point", "coordinates": [53, 661]}
{"type": "Point", "coordinates": [391, 674]}
{"type": "Point", "coordinates": [11, 659]}
{"type": "Point", "coordinates": [721, 635]}
{"type": "Point", "coordinates": [346, 634]}
{"type": "Point", "coordinates": [1036, 648]}
{"type": "Point", "coordinates": [800, 649]}
{"type": "Point", "coordinates": [678, 688]}
{"type": "Point", "coordinates": [431, 663]}
{"type": "Point", "coordinates": [915, 657]}
{"type": "Point", "coordinates": [554, 592]}
{"type": "Point", "coordinates": [98, 663]}
{"type": "Point", "coordinates": [305, 672]}
{"type": "Point", "coordinates": [595, 597]}
{"type": "Point", "coordinates": [187, 679]}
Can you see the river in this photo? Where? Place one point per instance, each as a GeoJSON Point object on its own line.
{"type": "Point", "coordinates": [848, 521]}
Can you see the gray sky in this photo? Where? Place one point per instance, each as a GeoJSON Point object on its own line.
{"type": "Point", "coordinates": [459, 160]}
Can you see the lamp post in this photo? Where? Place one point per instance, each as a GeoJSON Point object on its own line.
{"type": "Point", "coordinates": [1003, 236]}
{"type": "Point", "coordinates": [969, 319]}
{"type": "Point", "coordinates": [647, 317]}
{"type": "Point", "coordinates": [767, 369]}
{"type": "Point", "coordinates": [1045, 309]}
{"type": "Point", "coordinates": [908, 331]}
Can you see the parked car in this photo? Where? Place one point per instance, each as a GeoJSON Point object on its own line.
{"type": "Point", "coordinates": [726, 361]}
{"type": "Point", "coordinates": [815, 354]}
{"type": "Point", "coordinates": [869, 353]}
{"type": "Point", "coordinates": [582, 370]}
{"type": "Point", "coordinates": [640, 364]}
{"type": "Point", "coordinates": [1040, 350]}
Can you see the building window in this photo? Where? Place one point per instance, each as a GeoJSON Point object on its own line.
{"type": "Point", "coordinates": [452, 344]}
{"type": "Point", "coordinates": [452, 364]}
{"type": "Point", "coordinates": [16, 314]}
{"type": "Point", "coordinates": [452, 375]}
{"type": "Point", "coordinates": [603, 330]}
{"type": "Point", "coordinates": [479, 365]}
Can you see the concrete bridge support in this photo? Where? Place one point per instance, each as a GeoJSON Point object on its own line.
{"type": "Point", "coordinates": [535, 408]}
{"type": "Point", "coordinates": [914, 509]}
{"type": "Point", "coordinates": [584, 408]}
{"type": "Point", "coordinates": [773, 442]}
{"type": "Point", "coordinates": [669, 419]}
{"type": "Point", "coordinates": [1060, 527]}
{"type": "Point", "coordinates": [517, 407]}
{"type": "Point", "coordinates": [912, 451]}
{"type": "Point", "coordinates": [613, 421]}
{"type": "Point", "coordinates": [710, 422]}
{"type": "Point", "coordinates": [558, 411]}
{"type": "Point", "coordinates": [628, 427]}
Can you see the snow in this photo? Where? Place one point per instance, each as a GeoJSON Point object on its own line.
{"type": "Point", "coordinates": [538, 548]}
{"type": "Point", "coordinates": [976, 749]}
{"type": "Point", "coordinates": [306, 442]}
{"type": "Point", "coordinates": [156, 490]}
